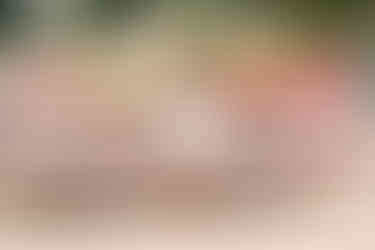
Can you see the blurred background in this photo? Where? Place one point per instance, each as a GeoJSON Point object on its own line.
{"type": "Point", "coordinates": [171, 124]}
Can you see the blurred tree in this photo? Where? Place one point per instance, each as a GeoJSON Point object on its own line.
{"type": "Point", "coordinates": [328, 14]}
{"type": "Point", "coordinates": [115, 11]}
{"type": "Point", "coordinates": [8, 14]}
{"type": "Point", "coordinates": [12, 16]}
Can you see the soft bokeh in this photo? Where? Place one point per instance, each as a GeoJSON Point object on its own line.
{"type": "Point", "coordinates": [186, 124]}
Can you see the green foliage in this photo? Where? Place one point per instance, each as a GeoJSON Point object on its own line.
{"type": "Point", "coordinates": [113, 11]}
{"type": "Point", "coordinates": [12, 16]}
